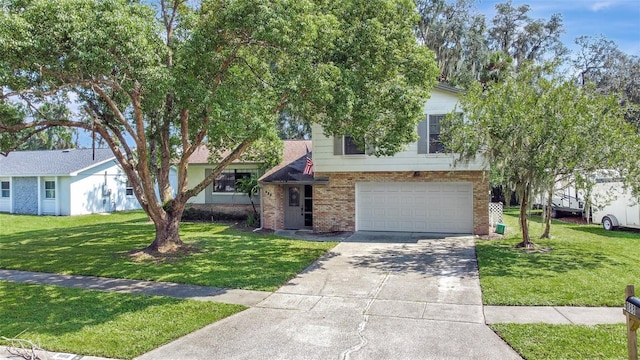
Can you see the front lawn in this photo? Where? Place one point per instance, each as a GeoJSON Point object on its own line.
{"type": "Point", "coordinates": [556, 342]}
{"type": "Point", "coordinates": [100, 323]}
{"type": "Point", "coordinates": [582, 265]}
{"type": "Point", "coordinates": [100, 245]}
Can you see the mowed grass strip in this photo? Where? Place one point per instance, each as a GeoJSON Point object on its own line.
{"type": "Point", "coordinates": [557, 342]}
{"type": "Point", "coordinates": [100, 245]}
{"type": "Point", "coordinates": [581, 265]}
{"type": "Point", "coordinates": [99, 323]}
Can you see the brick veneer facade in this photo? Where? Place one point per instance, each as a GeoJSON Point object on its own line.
{"type": "Point", "coordinates": [272, 196]}
{"type": "Point", "coordinates": [334, 204]}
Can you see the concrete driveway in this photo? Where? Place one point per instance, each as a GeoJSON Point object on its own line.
{"type": "Point", "coordinates": [374, 296]}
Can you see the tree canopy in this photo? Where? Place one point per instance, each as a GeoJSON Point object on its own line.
{"type": "Point", "coordinates": [157, 82]}
{"type": "Point", "coordinates": [535, 126]}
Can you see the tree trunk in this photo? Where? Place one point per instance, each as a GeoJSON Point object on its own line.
{"type": "Point", "coordinates": [167, 233]}
{"type": "Point", "coordinates": [526, 241]}
{"type": "Point", "coordinates": [547, 216]}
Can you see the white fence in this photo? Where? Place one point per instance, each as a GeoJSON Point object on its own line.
{"type": "Point", "coordinates": [495, 213]}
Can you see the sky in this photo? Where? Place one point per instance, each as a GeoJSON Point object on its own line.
{"type": "Point", "coordinates": [617, 20]}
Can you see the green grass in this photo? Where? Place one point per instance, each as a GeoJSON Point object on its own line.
{"type": "Point", "coordinates": [583, 265]}
{"type": "Point", "coordinates": [99, 245]}
{"type": "Point", "coordinates": [545, 341]}
{"type": "Point", "coordinates": [100, 323]}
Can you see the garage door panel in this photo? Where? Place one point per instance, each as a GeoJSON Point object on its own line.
{"type": "Point", "coordinates": [415, 206]}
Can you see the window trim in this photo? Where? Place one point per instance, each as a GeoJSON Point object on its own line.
{"type": "Point", "coordinates": [4, 190]}
{"type": "Point", "coordinates": [235, 172]}
{"type": "Point", "coordinates": [128, 189]}
{"type": "Point", "coordinates": [340, 146]}
{"type": "Point", "coordinates": [49, 193]}
{"type": "Point", "coordinates": [425, 141]}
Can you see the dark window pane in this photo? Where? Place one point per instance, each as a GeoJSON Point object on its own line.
{"type": "Point", "coordinates": [308, 219]}
{"type": "Point", "coordinates": [6, 191]}
{"type": "Point", "coordinates": [435, 145]}
{"type": "Point", "coordinates": [350, 147]}
{"type": "Point", "coordinates": [225, 182]}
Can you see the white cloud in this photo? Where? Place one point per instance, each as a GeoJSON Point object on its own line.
{"type": "Point", "coordinates": [599, 5]}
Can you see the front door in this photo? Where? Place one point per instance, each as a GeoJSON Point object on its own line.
{"type": "Point", "coordinates": [294, 207]}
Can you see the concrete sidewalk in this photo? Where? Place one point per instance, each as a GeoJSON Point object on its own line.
{"type": "Point", "coordinates": [157, 288]}
{"type": "Point", "coordinates": [492, 314]}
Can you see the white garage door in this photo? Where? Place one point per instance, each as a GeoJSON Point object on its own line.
{"type": "Point", "coordinates": [414, 206]}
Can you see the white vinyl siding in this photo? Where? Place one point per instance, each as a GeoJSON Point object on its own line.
{"type": "Point", "coordinates": [326, 160]}
{"type": "Point", "coordinates": [439, 207]}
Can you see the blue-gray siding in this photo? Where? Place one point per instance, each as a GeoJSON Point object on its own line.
{"type": "Point", "coordinates": [25, 195]}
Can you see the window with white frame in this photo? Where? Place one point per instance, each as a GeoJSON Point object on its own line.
{"type": "Point", "coordinates": [346, 145]}
{"type": "Point", "coordinates": [429, 131]}
{"type": "Point", "coordinates": [5, 189]}
{"type": "Point", "coordinates": [128, 191]}
{"type": "Point", "coordinates": [49, 189]}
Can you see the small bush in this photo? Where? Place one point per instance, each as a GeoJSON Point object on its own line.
{"type": "Point", "coordinates": [193, 214]}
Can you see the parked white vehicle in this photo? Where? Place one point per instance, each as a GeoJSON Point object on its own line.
{"type": "Point", "coordinates": [613, 206]}
{"type": "Point", "coordinates": [566, 200]}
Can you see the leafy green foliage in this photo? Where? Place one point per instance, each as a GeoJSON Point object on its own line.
{"type": "Point", "coordinates": [157, 85]}
{"type": "Point", "coordinates": [566, 342]}
{"type": "Point", "coordinates": [581, 265]}
{"type": "Point", "coordinates": [534, 127]}
{"type": "Point", "coordinates": [72, 320]}
{"type": "Point", "coordinates": [220, 256]}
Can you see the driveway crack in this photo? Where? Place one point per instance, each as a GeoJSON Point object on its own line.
{"type": "Point", "coordinates": [346, 355]}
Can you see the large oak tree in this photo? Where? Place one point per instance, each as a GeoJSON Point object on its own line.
{"type": "Point", "coordinates": [158, 82]}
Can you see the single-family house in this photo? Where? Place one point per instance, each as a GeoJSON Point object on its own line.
{"type": "Point", "coordinates": [64, 182]}
{"type": "Point", "coordinates": [222, 195]}
{"type": "Point", "coordinates": [416, 190]}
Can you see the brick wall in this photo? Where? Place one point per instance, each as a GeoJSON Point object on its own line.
{"type": "Point", "coordinates": [334, 203]}
{"type": "Point", "coordinates": [272, 206]}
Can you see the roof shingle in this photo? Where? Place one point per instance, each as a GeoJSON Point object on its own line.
{"type": "Point", "coordinates": [51, 162]}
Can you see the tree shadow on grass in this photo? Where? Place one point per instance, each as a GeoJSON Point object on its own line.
{"type": "Point", "coordinates": [620, 233]}
{"type": "Point", "coordinates": [225, 258]}
{"type": "Point", "coordinates": [56, 310]}
{"type": "Point", "coordinates": [505, 260]}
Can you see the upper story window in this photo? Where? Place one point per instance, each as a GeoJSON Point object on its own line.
{"type": "Point", "coordinates": [429, 131]}
{"type": "Point", "coordinates": [5, 189]}
{"type": "Point", "coordinates": [128, 189]}
{"type": "Point", "coordinates": [346, 145]}
{"type": "Point", "coordinates": [227, 180]}
{"type": "Point", "coordinates": [49, 189]}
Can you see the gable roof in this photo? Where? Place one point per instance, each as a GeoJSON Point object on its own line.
{"type": "Point", "coordinates": [294, 160]}
{"type": "Point", "coordinates": [52, 162]}
{"type": "Point", "coordinates": [201, 156]}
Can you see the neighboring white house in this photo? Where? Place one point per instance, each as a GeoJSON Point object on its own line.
{"type": "Point", "coordinates": [417, 189]}
{"type": "Point", "coordinates": [64, 182]}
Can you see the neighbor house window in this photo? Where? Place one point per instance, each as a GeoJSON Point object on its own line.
{"type": "Point", "coordinates": [345, 145]}
{"type": "Point", "coordinates": [49, 189]}
{"type": "Point", "coordinates": [5, 189]}
{"type": "Point", "coordinates": [429, 131]}
{"type": "Point", "coordinates": [227, 180]}
{"type": "Point", "coordinates": [128, 189]}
